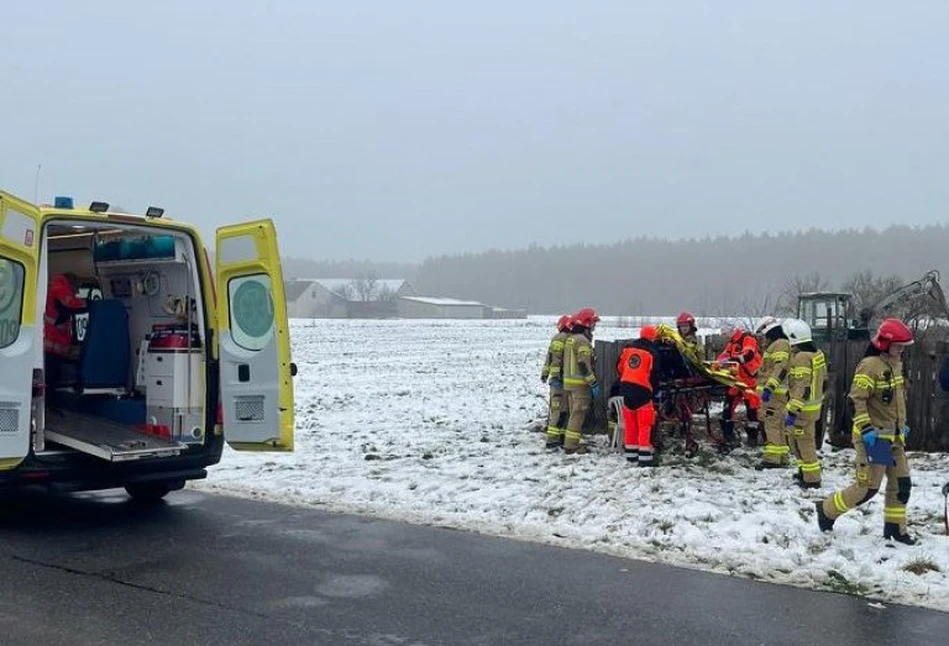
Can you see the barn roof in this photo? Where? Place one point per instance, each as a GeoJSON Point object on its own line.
{"type": "Point", "coordinates": [294, 289]}
{"type": "Point", "coordinates": [433, 300]}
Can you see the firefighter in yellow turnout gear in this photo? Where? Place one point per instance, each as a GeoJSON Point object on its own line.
{"type": "Point", "coordinates": [772, 388]}
{"type": "Point", "coordinates": [552, 375]}
{"type": "Point", "coordinates": [579, 377]}
{"type": "Point", "coordinates": [807, 379]}
{"type": "Point", "coordinates": [879, 435]}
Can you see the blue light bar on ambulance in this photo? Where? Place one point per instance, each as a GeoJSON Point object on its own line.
{"type": "Point", "coordinates": [62, 202]}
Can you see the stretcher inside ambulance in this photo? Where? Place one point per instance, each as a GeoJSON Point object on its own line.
{"type": "Point", "coordinates": [137, 368]}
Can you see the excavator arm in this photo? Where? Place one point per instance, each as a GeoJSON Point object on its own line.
{"type": "Point", "coordinates": [926, 288]}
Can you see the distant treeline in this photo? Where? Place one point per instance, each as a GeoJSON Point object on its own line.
{"type": "Point", "coordinates": [723, 276]}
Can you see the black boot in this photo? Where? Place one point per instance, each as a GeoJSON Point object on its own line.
{"type": "Point", "coordinates": [892, 530]}
{"type": "Point", "coordinates": [751, 436]}
{"type": "Point", "coordinates": [761, 466]}
{"type": "Point", "coordinates": [825, 523]}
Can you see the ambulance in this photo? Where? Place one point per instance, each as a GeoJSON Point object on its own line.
{"type": "Point", "coordinates": [168, 360]}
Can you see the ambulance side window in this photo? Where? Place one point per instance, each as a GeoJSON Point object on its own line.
{"type": "Point", "coordinates": [250, 301]}
{"type": "Point", "coordinates": [11, 301]}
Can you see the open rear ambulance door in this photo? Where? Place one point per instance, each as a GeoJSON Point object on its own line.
{"type": "Point", "coordinates": [19, 263]}
{"type": "Point", "coordinates": [254, 339]}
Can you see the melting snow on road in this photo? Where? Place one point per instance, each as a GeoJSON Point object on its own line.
{"type": "Point", "coordinates": [430, 422]}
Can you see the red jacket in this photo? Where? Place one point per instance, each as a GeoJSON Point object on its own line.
{"type": "Point", "coordinates": [61, 304]}
{"type": "Point", "coordinates": [742, 348]}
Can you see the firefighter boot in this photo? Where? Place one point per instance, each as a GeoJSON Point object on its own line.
{"type": "Point", "coordinates": [825, 522]}
{"type": "Point", "coordinates": [802, 483]}
{"type": "Point", "coordinates": [729, 441]}
{"type": "Point", "coordinates": [751, 433]}
{"type": "Point", "coordinates": [892, 530]}
{"type": "Point", "coordinates": [575, 450]}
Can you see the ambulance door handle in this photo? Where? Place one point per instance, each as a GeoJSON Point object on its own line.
{"type": "Point", "coordinates": [243, 372]}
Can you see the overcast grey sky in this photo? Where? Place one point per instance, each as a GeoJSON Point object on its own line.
{"type": "Point", "coordinates": [393, 130]}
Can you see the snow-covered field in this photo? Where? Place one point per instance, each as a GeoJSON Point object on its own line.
{"type": "Point", "coordinates": [430, 422]}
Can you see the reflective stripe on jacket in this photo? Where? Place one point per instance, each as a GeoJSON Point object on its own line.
{"type": "Point", "coordinates": [806, 379]}
{"type": "Point", "coordinates": [578, 368]}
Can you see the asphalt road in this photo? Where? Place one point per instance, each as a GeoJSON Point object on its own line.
{"type": "Point", "coordinates": [201, 569]}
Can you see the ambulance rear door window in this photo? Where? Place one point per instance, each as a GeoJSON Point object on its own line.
{"type": "Point", "coordinates": [11, 301]}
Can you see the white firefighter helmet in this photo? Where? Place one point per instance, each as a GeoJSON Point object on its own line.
{"type": "Point", "coordinates": [797, 331]}
{"type": "Point", "coordinates": [767, 324]}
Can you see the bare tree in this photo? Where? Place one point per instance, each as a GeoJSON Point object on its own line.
{"type": "Point", "coordinates": [345, 292]}
{"type": "Point", "coordinates": [869, 289]}
{"type": "Point", "coordinates": [386, 294]}
{"type": "Point", "coordinates": [364, 286]}
{"type": "Point", "coordinates": [795, 286]}
{"type": "Point", "coordinates": [753, 309]}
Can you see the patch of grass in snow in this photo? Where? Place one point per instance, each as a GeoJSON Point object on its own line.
{"type": "Point", "coordinates": [723, 469]}
{"type": "Point", "coordinates": [665, 526]}
{"type": "Point", "coordinates": [782, 540]}
{"type": "Point", "coordinates": [705, 458]}
{"type": "Point", "coordinates": [921, 565]}
{"type": "Point", "coordinates": [839, 583]}
{"type": "Point", "coordinates": [816, 548]}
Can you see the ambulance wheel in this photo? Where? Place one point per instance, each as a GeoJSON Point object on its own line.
{"type": "Point", "coordinates": [151, 491]}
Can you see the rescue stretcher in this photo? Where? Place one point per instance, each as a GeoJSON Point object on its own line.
{"type": "Point", "coordinates": [688, 386]}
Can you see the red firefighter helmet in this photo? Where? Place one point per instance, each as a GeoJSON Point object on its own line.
{"type": "Point", "coordinates": [648, 332]}
{"type": "Point", "coordinates": [586, 318]}
{"type": "Point", "coordinates": [892, 331]}
{"type": "Point", "coordinates": [685, 319]}
{"type": "Point", "coordinates": [564, 323]}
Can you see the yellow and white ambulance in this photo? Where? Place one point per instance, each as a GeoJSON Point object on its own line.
{"type": "Point", "coordinates": [167, 361]}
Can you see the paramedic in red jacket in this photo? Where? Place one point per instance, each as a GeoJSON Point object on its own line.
{"type": "Point", "coordinates": [743, 353]}
{"type": "Point", "coordinates": [638, 370]}
{"type": "Point", "coordinates": [61, 304]}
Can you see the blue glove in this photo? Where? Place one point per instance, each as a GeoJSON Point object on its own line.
{"type": "Point", "coordinates": [556, 383]}
{"type": "Point", "coordinates": [790, 419]}
{"type": "Point", "coordinates": [869, 437]}
{"type": "Point", "coordinates": [766, 395]}
{"type": "Point", "coordinates": [595, 391]}
{"type": "Point", "coordinates": [905, 431]}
